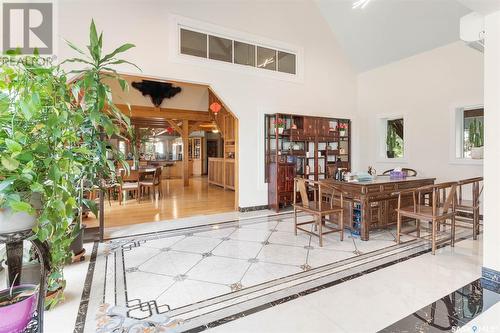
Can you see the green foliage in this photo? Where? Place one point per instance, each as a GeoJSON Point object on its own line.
{"type": "Point", "coordinates": [394, 143]}
{"type": "Point", "coordinates": [476, 133]}
{"type": "Point", "coordinates": [54, 142]}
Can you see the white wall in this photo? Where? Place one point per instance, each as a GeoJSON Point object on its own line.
{"type": "Point", "coordinates": [426, 89]}
{"type": "Point", "coordinates": [491, 244]}
{"type": "Point", "coordinates": [328, 87]}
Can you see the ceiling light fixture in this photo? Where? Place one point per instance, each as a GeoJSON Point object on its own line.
{"type": "Point", "coordinates": [360, 4]}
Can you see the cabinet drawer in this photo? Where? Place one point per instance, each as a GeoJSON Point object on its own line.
{"type": "Point", "coordinates": [286, 197]}
{"type": "Point", "coordinates": [388, 187]}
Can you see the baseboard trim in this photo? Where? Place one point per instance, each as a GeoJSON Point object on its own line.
{"type": "Point", "coordinates": [253, 208]}
{"type": "Point", "coordinates": [490, 279]}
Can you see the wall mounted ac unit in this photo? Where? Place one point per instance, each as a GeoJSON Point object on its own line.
{"type": "Point", "coordinates": [472, 30]}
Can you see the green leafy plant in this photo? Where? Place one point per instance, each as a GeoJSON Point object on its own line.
{"type": "Point", "coordinates": [54, 140]}
{"type": "Point", "coordinates": [394, 143]}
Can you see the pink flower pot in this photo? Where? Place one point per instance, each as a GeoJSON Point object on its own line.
{"type": "Point", "coordinates": [15, 317]}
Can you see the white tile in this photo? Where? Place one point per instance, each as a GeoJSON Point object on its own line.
{"type": "Point", "coordinates": [319, 257]}
{"type": "Point", "coordinates": [138, 255]}
{"type": "Point", "coordinates": [283, 254]}
{"type": "Point", "coordinates": [236, 249]}
{"type": "Point", "coordinates": [261, 272]}
{"type": "Point", "coordinates": [373, 244]}
{"type": "Point", "coordinates": [188, 292]}
{"type": "Point", "coordinates": [219, 270]}
{"type": "Point", "coordinates": [196, 244]}
{"type": "Point", "coordinates": [248, 234]}
{"type": "Point", "coordinates": [289, 238]}
{"type": "Point", "coordinates": [162, 242]}
{"type": "Point", "coordinates": [216, 232]}
{"type": "Point", "coordinates": [171, 263]}
{"type": "Point", "coordinates": [146, 286]}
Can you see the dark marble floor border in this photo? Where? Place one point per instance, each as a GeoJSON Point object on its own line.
{"type": "Point", "coordinates": [84, 302]}
{"type": "Point", "coordinates": [450, 312]}
{"type": "Point", "coordinates": [252, 208]}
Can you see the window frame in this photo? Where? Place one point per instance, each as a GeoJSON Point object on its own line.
{"type": "Point", "coordinates": [382, 121]}
{"type": "Point", "coordinates": [178, 22]}
{"type": "Point", "coordinates": [457, 135]}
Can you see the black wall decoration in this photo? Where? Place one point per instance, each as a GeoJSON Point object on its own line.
{"type": "Point", "coordinates": [158, 91]}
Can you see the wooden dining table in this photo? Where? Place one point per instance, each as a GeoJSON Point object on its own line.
{"type": "Point", "coordinates": [375, 201]}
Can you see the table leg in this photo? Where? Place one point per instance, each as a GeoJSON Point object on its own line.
{"type": "Point", "coordinates": [365, 229]}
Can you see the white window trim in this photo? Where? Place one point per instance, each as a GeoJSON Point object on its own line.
{"type": "Point", "coordinates": [382, 136]}
{"type": "Point", "coordinates": [174, 54]}
{"type": "Point", "coordinates": [456, 133]}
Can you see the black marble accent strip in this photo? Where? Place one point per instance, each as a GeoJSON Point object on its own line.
{"type": "Point", "coordinates": [253, 208]}
{"type": "Point", "coordinates": [84, 302]}
{"type": "Point", "coordinates": [491, 279]}
{"type": "Point", "coordinates": [450, 312]}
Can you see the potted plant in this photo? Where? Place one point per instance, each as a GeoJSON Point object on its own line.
{"type": "Point", "coordinates": [342, 129]}
{"type": "Point", "coordinates": [17, 306]}
{"type": "Point", "coordinates": [476, 139]}
{"type": "Point", "coordinates": [280, 125]}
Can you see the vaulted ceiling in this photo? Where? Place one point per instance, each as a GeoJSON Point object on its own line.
{"type": "Point", "coordinates": [389, 30]}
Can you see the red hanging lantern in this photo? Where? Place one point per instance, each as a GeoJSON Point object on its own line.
{"type": "Point", "coordinates": [215, 107]}
{"type": "Point", "coordinates": [170, 130]}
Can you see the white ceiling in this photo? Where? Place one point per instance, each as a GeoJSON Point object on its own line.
{"type": "Point", "coordinates": [389, 30]}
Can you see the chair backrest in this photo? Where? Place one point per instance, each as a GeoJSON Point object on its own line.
{"type": "Point", "coordinates": [301, 184]}
{"type": "Point", "coordinates": [443, 195]}
{"type": "Point", "coordinates": [475, 185]}
{"type": "Point", "coordinates": [133, 176]}
{"type": "Point", "coordinates": [409, 172]}
{"type": "Point", "coordinates": [157, 176]}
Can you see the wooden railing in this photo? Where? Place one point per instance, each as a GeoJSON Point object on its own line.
{"type": "Point", "coordinates": [221, 172]}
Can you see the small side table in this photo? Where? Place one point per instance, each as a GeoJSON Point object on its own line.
{"type": "Point", "coordinates": [14, 246]}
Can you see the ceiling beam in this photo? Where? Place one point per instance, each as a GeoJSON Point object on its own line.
{"type": "Point", "coordinates": [150, 112]}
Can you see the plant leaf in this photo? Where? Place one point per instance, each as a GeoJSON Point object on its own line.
{"type": "Point", "coordinates": [119, 49]}
{"type": "Point", "coordinates": [13, 146]}
{"type": "Point", "coordinates": [9, 163]}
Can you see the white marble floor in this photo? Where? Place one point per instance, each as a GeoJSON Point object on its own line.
{"type": "Point", "coordinates": [373, 301]}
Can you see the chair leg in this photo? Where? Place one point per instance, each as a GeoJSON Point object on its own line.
{"type": "Point", "coordinates": [475, 224]}
{"type": "Point", "coordinates": [341, 225]}
{"type": "Point", "coordinates": [453, 230]}
{"type": "Point", "coordinates": [434, 227]}
{"type": "Point", "coordinates": [398, 229]}
{"type": "Point", "coordinates": [418, 228]}
{"type": "Point", "coordinates": [295, 220]}
{"type": "Point", "coordinates": [319, 219]}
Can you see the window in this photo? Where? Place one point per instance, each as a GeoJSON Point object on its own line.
{"type": "Point", "coordinates": [220, 49]}
{"type": "Point", "coordinates": [286, 62]}
{"type": "Point", "coordinates": [470, 132]}
{"type": "Point", "coordinates": [122, 147]}
{"type": "Point", "coordinates": [266, 58]}
{"type": "Point", "coordinates": [208, 46]}
{"type": "Point", "coordinates": [244, 54]}
{"type": "Point", "coordinates": [394, 138]}
{"type": "Point", "coordinates": [193, 43]}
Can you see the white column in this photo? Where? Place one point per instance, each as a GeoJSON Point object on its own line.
{"type": "Point", "coordinates": [491, 247]}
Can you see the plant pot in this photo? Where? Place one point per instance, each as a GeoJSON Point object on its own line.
{"type": "Point", "coordinates": [280, 130]}
{"type": "Point", "coordinates": [16, 316]}
{"type": "Point", "coordinates": [77, 244]}
{"type": "Point", "coordinates": [11, 222]}
{"type": "Point", "coordinates": [477, 153]}
{"type": "Point", "coordinates": [342, 133]}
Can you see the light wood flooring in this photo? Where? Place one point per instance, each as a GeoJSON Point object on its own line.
{"type": "Point", "coordinates": [178, 201]}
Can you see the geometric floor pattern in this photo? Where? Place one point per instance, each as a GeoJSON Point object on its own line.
{"type": "Point", "coordinates": [154, 280]}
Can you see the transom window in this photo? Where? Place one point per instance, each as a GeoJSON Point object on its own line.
{"type": "Point", "coordinates": [205, 45]}
{"type": "Point", "coordinates": [395, 138]}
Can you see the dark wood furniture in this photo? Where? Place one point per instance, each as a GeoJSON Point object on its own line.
{"type": "Point", "coordinates": [434, 211]}
{"type": "Point", "coordinates": [130, 183]}
{"type": "Point", "coordinates": [153, 183]}
{"type": "Point", "coordinates": [407, 171]}
{"type": "Point", "coordinates": [374, 201]}
{"type": "Point", "coordinates": [319, 208]}
{"type": "Point", "coordinates": [314, 146]}
{"type": "Point", "coordinates": [468, 208]}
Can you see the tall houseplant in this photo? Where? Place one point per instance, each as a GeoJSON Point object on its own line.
{"type": "Point", "coordinates": [476, 138]}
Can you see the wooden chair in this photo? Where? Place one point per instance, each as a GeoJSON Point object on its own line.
{"type": "Point", "coordinates": [319, 207]}
{"type": "Point", "coordinates": [129, 183]}
{"type": "Point", "coordinates": [409, 172]}
{"type": "Point", "coordinates": [432, 210]}
{"type": "Point", "coordinates": [153, 183]}
{"type": "Point", "coordinates": [468, 209]}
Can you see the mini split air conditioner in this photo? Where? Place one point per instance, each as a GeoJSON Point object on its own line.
{"type": "Point", "coordinates": [472, 30]}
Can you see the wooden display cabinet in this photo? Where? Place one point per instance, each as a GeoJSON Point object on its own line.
{"type": "Point", "coordinates": [313, 146]}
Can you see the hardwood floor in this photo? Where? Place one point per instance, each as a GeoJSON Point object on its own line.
{"type": "Point", "coordinates": [178, 201]}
